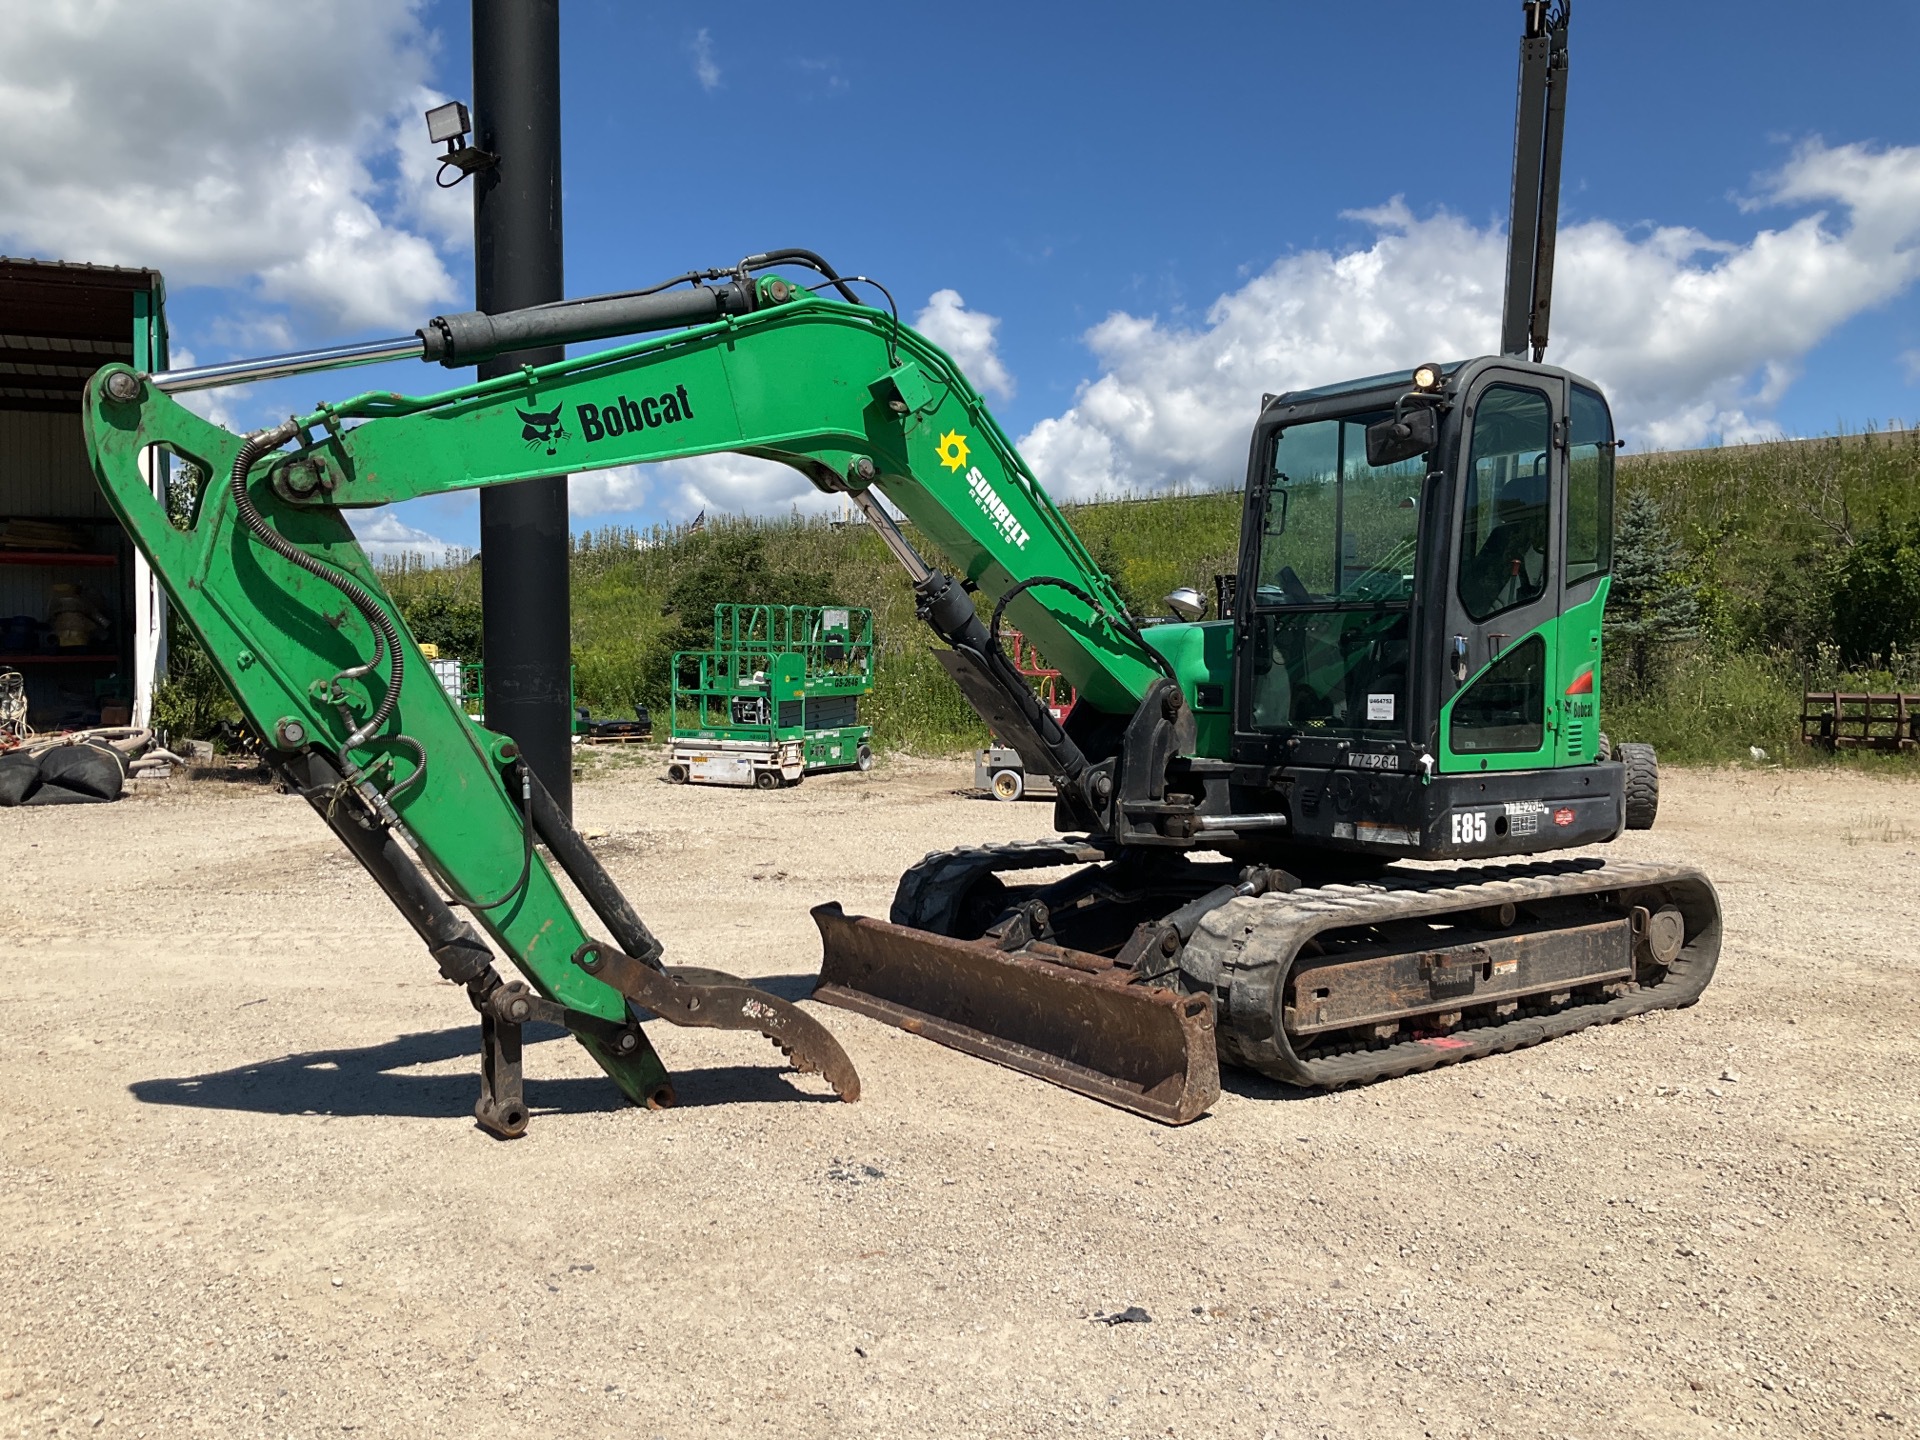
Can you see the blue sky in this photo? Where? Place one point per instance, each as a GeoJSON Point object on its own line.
{"type": "Point", "coordinates": [1136, 217]}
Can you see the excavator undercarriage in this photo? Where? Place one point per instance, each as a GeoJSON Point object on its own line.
{"type": "Point", "coordinates": [1121, 978]}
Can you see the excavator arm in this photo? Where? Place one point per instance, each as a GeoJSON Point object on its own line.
{"type": "Point", "coordinates": [444, 813]}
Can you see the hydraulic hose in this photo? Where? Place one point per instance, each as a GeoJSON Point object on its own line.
{"type": "Point", "coordinates": [1122, 621]}
{"type": "Point", "coordinates": [807, 258]}
{"type": "Point", "coordinates": [385, 634]}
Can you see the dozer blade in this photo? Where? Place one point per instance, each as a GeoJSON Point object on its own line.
{"type": "Point", "coordinates": [1063, 1015]}
{"type": "Point", "coordinates": [712, 1000]}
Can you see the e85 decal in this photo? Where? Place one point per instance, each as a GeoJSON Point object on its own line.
{"type": "Point", "coordinates": [1469, 827]}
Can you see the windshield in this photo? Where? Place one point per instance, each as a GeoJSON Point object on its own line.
{"type": "Point", "coordinates": [1338, 530]}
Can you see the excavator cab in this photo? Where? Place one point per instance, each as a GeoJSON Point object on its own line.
{"type": "Point", "coordinates": [1417, 639]}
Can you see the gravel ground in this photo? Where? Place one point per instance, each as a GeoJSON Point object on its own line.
{"type": "Point", "coordinates": [241, 1193]}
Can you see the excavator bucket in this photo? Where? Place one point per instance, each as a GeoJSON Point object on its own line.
{"type": "Point", "coordinates": [1075, 1019]}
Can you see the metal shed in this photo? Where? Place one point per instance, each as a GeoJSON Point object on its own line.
{"type": "Point", "coordinates": [81, 617]}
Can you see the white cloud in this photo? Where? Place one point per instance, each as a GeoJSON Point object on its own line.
{"type": "Point", "coordinates": [1693, 338]}
{"type": "Point", "coordinates": [705, 69]}
{"type": "Point", "coordinates": [227, 143]}
{"type": "Point", "coordinates": [602, 492]}
{"type": "Point", "coordinates": [968, 336]}
{"type": "Point", "coordinates": [385, 536]}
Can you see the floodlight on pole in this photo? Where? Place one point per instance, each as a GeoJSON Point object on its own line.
{"type": "Point", "coordinates": [449, 125]}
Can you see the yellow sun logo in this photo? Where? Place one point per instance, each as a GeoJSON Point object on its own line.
{"type": "Point", "coordinates": [953, 450]}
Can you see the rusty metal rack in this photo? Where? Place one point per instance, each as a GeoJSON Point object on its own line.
{"type": "Point", "coordinates": [1836, 719]}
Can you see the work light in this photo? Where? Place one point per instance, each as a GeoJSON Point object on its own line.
{"type": "Point", "coordinates": [448, 123]}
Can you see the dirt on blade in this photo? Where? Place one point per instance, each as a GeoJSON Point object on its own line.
{"type": "Point", "coordinates": [241, 1190]}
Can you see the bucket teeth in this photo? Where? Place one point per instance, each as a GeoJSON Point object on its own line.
{"type": "Point", "coordinates": [710, 999]}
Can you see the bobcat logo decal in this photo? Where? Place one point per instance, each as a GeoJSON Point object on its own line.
{"type": "Point", "coordinates": [542, 427]}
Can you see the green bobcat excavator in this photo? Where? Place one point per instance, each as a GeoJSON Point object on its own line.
{"type": "Point", "coordinates": [1411, 672]}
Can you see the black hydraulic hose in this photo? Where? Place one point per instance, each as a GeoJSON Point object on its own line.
{"type": "Point", "coordinates": [948, 609]}
{"type": "Point", "coordinates": [893, 308]}
{"type": "Point", "coordinates": [690, 278]}
{"type": "Point", "coordinates": [805, 257]}
{"type": "Point", "coordinates": [357, 594]}
{"type": "Point", "coordinates": [1122, 621]}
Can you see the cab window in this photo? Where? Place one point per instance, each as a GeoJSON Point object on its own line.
{"type": "Point", "coordinates": [1505, 710]}
{"type": "Point", "coordinates": [1338, 530]}
{"type": "Point", "coordinates": [1589, 488]}
{"type": "Point", "coordinates": [1503, 537]}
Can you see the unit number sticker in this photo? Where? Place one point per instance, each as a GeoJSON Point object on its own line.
{"type": "Point", "coordinates": [1469, 827]}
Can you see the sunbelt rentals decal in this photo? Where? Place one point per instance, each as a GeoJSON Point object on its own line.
{"type": "Point", "coordinates": [953, 455]}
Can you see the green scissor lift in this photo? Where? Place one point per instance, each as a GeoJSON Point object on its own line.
{"type": "Point", "coordinates": [777, 696]}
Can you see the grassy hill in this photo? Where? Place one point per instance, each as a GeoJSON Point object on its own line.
{"type": "Point", "coordinates": [1805, 557]}
{"type": "Point", "coordinates": [640, 595]}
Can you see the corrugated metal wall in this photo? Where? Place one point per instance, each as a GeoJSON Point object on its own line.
{"type": "Point", "coordinates": [43, 467]}
{"type": "Point", "coordinates": [44, 474]}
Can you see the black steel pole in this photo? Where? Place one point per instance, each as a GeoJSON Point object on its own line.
{"type": "Point", "coordinates": [524, 592]}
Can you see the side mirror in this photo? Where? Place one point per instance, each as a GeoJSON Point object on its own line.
{"type": "Point", "coordinates": [1188, 603]}
{"type": "Point", "coordinates": [1413, 433]}
{"type": "Point", "coordinates": [1276, 521]}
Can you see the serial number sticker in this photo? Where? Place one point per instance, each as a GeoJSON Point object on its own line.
{"type": "Point", "coordinates": [1506, 967]}
{"type": "Point", "coordinates": [1379, 707]}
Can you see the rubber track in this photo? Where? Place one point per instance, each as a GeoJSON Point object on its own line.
{"type": "Point", "coordinates": [1243, 952]}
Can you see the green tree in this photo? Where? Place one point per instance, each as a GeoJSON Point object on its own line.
{"type": "Point", "coordinates": [440, 603]}
{"type": "Point", "coordinates": [444, 617]}
{"type": "Point", "coordinates": [732, 568]}
{"type": "Point", "coordinates": [1653, 602]}
{"type": "Point", "coordinates": [1876, 592]}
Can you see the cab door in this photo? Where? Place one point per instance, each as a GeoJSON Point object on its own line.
{"type": "Point", "coordinates": [1499, 706]}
